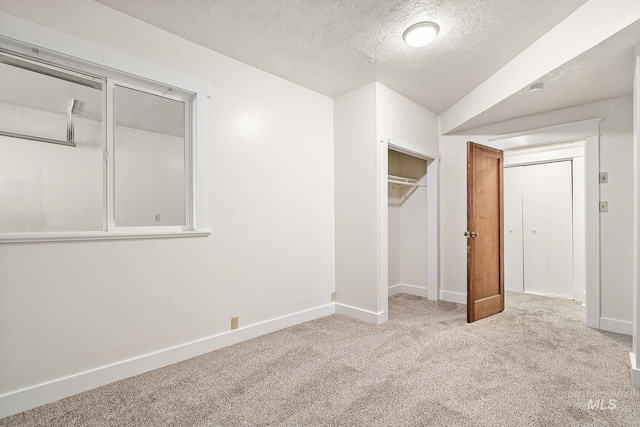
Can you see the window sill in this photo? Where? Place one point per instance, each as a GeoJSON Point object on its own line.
{"type": "Point", "coordinates": [96, 236]}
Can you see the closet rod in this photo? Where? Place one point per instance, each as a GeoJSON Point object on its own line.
{"type": "Point", "coordinates": [410, 184]}
{"type": "Point", "coordinates": [37, 138]}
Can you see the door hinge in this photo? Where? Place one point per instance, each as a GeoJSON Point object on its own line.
{"type": "Point", "coordinates": [106, 155]}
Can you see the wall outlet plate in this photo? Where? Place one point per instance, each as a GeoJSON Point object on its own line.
{"type": "Point", "coordinates": [333, 296]}
{"type": "Point", "coordinates": [235, 320]}
{"type": "Point", "coordinates": [604, 206]}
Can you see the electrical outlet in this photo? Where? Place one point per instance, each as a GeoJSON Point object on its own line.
{"type": "Point", "coordinates": [604, 206]}
{"type": "Point", "coordinates": [333, 296]}
{"type": "Point", "coordinates": [156, 217]}
{"type": "Point", "coordinates": [235, 320]}
{"type": "Point", "coordinates": [604, 177]}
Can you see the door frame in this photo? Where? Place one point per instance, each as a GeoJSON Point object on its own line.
{"type": "Point", "coordinates": [589, 131]}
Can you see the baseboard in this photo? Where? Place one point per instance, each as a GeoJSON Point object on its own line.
{"type": "Point", "coordinates": [31, 397]}
{"type": "Point", "coordinates": [408, 289]}
{"type": "Point", "coordinates": [395, 290]}
{"type": "Point", "coordinates": [457, 297]}
{"type": "Point", "coordinates": [635, 371]}
{"type": "Point", "coordinates": [414, 290]}
{"type": "Point", "coordinates": [618, 326]}
{"type": "Point", "coordinates": [360, 314]}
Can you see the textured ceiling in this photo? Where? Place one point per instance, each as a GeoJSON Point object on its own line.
{"type": "Point", "coordinates": [605, 71]}
{"type": "Point", "coordinates": [334, 46]}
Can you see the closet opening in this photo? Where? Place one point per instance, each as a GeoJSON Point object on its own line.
{"type": "Point", "coordinates": [408, 225]}
{"type": "Point", "coordinates": [545, 221]}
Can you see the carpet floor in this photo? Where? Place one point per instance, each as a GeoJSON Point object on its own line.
{"type": "Point", "coordinates": [535, 364]}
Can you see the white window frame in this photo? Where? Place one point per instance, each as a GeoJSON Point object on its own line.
{"type": "Point", "coordinates": [42, 45]}
{"type": "Point", "coordinates": [189, 161]}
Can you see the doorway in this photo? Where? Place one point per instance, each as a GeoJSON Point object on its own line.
{"type": "Point", "coordinates": [545, 221]}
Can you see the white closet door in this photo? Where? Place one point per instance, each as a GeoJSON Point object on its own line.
{"type": "Point", "coordinates": [534, 223]}
{"type": "Point", "coordinates": [513, 256]}
{"type": "Point", "coordinates": [559, 229]}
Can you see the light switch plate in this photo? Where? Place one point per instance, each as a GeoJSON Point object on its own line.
{"type": "Point", "coordinates": [604, 206]}
{"type": "Point", "coordinates": [604, 177]}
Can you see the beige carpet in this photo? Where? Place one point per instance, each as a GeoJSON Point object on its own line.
{"type": "Point", "coordinates": [536, 364]}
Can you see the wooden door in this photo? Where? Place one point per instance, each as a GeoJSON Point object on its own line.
{"type": "Point", "coordinates": [485, 240]}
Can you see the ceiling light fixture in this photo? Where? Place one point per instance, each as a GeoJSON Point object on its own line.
{"type": "Point", "coordinates": [421, 34]}
{"type": "Point", "coordinates": [536, 87]}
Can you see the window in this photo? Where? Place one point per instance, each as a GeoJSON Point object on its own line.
{"type": "Point", "coordinates": [150, 158]}
{"type": "Point", "coordinates": [89, 152]}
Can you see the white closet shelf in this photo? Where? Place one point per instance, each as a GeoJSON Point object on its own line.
{"type": "Point", "coordinates": [399, 180]}
{"type": "Point", "coordinates": [396, 183]}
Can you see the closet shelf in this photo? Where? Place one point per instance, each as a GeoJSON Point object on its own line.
{"type": "Point", "coordinates": [399, 182]}
{"type": "Point", "coordinates": [403, 181]}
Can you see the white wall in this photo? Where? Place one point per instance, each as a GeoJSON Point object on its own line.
{"type": "Point", "coordinates": [410, 125]}
{"type": "Point", "coordinates": [365, 119]}
{"type": "Point", "coordinates": [615, 157]}
{"type": "Point", "coordinates": [356, 163]}
{"type": "Point", "coordinates": [71, 307]}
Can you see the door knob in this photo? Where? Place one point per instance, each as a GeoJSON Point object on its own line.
{"type": "Point", "coordinates": [470, 234]}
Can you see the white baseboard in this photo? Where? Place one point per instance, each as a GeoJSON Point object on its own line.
{"type": "Point", "coordinates": [361, 314]}
{"type": "Point", "coordinates": [635, 371]}
{"type": "Point", "coordinates": [615, 325]}
{"type": "Point", "coordinates": [414, 290]}
{"type": "Point", "coordinates": [395, 290]}
{"type": "Point", "coordinates": [457, 297]}
{"type": "Point", "coordinates": [409, 290]}
{"type": "Point", "coordinates": [31, 397]}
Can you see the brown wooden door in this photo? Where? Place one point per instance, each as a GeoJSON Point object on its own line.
{"type": "Point", "coordinates": [485, 240]}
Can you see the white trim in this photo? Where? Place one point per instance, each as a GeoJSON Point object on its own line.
{"type": "Point", "coordinates": [400, 146]}
{"type": "Point", "coordinates": [457, 297]}
{"type": "Point", "coordinates": [96, 235]}
{"type": "Point", "coordinates": [543, 154]}
{"type": "Point", "coordinates": [635, 371]}
{"type": "Point", "coordinates": [360, 314]}
{"type": "Point", "coordinates": [418, 291]}
{"type": "Point", "coordinates": [31, 397]}
{"type": "Point", "coordinates": [395, 290]}
{"type": "Point", "coordinates": [549, 135]}
{"type": "Point", "coordinates": [433, 230]}
{"type": "Point", "coordinates": [592, 230]}
{"type": "Point", "coordinates": [382, 232]}
{"type": "Point", "coordinates": [617, 326]}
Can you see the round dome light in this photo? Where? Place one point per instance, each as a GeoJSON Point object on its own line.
{"type": "Point", "coordinates": [421, 34]}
